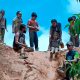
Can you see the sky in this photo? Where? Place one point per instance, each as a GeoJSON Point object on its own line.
{"type": "Point", "coordinates": [46, 10]}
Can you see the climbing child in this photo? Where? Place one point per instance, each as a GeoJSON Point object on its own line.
{"type": "Point", "coordinates": [54, 44]}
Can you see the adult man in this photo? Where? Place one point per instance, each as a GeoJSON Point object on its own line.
{"type": "Point", "coordinates": [33, 28]}
{"type": "Point", "coordinates": [17, 22]}
{"type": "Point", "coordinates": [55, 27]}
{"type": "Point", "coordinates": [2, 25]}
{"type": "Point", "coordinates": [19, 43]}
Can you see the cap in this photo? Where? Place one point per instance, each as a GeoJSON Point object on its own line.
{"type": "Point", "coordinates": [69, 43]}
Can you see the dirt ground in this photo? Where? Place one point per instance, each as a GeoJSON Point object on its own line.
{"type": "Point", "coordinates": [36, 67]}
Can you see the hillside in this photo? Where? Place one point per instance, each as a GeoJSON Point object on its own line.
{"type": "Point", "coordinates": [36, 67]}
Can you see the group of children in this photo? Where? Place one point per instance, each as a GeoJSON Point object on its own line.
{"type": "Point", "coordinates": [55, 39]}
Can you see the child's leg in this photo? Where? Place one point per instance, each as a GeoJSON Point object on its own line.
{"type": "Point", "coordinates": [56, 52]}
{"type": "Point", "coordinates": [22, 53]}
{"type": "Point", "coordinates": [0, 36]}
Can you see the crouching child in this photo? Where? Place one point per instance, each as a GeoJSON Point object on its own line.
{"type": "Point", "coordinates": [54, 46]}
{"type": "Point", "coordinates": [19, 44]}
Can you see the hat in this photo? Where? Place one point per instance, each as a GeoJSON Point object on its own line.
{"type": "Point", "coordinates": [69, 44]}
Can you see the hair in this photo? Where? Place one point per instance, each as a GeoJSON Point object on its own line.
{"type": "Point", "coordinates": [34, 14]}
{"type": "Point", "coordinates": [53, 20]}
{"type": "Point", "coordinates": [70, 19]}
{"type": "Point", "coordinates": [18, 12]}
{"type": "Point", "coordinates": [22, 26]}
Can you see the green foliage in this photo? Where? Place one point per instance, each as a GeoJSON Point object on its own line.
{"type": "Point", "coordinates": [76, 24]}
{"type": "Point", "coordinates": [74, 70]}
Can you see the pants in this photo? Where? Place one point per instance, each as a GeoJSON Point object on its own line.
{"type": "Point", "coordinates": [33, 39]}
{"type": "Point", "coordinates": [2, 33]}
{"type": "Point", "coordinates": [75, 40]}
{"type": "Point", "coordinates": [67, 72]}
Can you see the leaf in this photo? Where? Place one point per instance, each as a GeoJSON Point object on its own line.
{"type": "Point", "coordinates": [67, 25]}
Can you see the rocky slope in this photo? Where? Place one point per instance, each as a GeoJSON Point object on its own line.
{"type": "Point", "coordinates": [36, 67]}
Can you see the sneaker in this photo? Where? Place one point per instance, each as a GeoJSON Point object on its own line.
{"type": "Point", "coordinates": [61, 70]}
{"type": "Point", "coordinates": [36, 49]}
{"type": "Point", "coordinates": [22, 56]}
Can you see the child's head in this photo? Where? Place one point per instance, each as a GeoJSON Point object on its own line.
{"type": "Point", "coordinates": [19, 14]}
{"type": "Point", "coordinates": [69, 46]}
{"type": "Point", "coordinates": [34, 16]}
{"type": "Point", "coordinates": [54, 22]}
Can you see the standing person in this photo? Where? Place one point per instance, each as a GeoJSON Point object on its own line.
{"type": "Point", "coordinates": [33, 28]}
{"type": "Point", "coordinates": [19, 44]}
{"type": "Point", "coordinates": [72, 31]}
{"type": "Point", "coordinates": [77, 29]}
{"type": "Point", "coordinates": [17, 21]}
{"type": "Point", "coordinates": [55, 27]}
{"type": "Point", "coordinates": [3, 26]}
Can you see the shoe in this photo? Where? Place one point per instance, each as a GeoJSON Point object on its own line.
{"type": "Point", "coordinates": [61, 70]}
{"type": "Point", "coordinates": [22, 56]}
{"type": "Point", "coordinates": [36, 49]}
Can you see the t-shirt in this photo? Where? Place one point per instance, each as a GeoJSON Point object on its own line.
{"type": "Point", "coordinates": [17, 22]}
{"type": "Point", "coordinates": [33, 24]}
{"type": "Point", "coordinates": [20, 40]}
{"type": "Point", "coordinates": [56, 29]}
{"type": "Point", "coordinates": [72, 55]}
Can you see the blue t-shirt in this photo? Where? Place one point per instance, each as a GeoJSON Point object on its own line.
{"type": "Point", "coordinates": [70, 55]}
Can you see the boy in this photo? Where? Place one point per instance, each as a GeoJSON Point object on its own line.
{"type": "Point", "coordinates": [19, 44]}
{"type": "Point", "coordinates": [54, 44]}
{"type": "Point", "coordinates": [33, 28]}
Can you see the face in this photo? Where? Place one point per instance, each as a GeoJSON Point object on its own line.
{"type": "Point", "coordinates": [24, 30]}
{"type": "Point", "coordinates": [54, 24]}
{"type": "Point", "coordinates": [69, 47]}
{"type": "Point", "coordinates": [19, 15]}
{"type": "Point", "coordinates": [3, 13]}
{"type": "Point", "coordinates": [33, 18]}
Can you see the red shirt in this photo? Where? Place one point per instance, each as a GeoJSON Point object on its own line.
{"type": "Point", "coordinates": [32, 23]}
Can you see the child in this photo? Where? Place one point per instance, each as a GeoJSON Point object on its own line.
{"type": "Point", "coordinates": [54, 45]}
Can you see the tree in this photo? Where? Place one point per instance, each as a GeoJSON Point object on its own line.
{"type": "Point", "coordinates": [78, 0]}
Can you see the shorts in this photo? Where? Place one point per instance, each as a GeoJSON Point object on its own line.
{"type": "Point", "coordinates": [54, 50]}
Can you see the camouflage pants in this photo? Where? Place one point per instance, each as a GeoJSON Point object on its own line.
{"type": "Point", "coordinates": [2, 33]}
